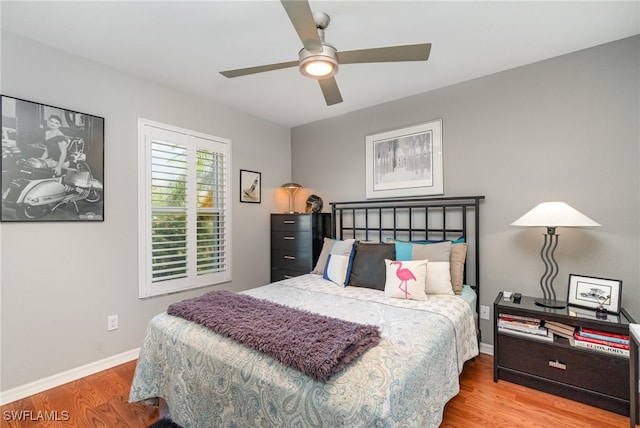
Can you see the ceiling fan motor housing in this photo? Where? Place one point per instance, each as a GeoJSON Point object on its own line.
{"type": "Point", "coordinates": [326, 58]}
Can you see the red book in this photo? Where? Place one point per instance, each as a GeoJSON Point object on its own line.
{"type": "Point", "coordinates": [601, 342]}
{"type": "Point", "coordinates": [604, 333]}
{"type": "Point", "coordinates": [509, 317]}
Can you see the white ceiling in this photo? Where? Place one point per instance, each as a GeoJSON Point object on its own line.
{"type": "Point", "coordinates": [185, 44]}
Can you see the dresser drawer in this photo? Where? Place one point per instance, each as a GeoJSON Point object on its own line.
{"type": "Point", "coordinates": [278, 274]}
{"type": "Point", "coordinates": [291, 223]}
{"type": "Point", "coordinates": [585, 369]}
{"type": "Point", "coordinates": [292, 260]}
{"type": "Point", "coordinates": [293, 241]}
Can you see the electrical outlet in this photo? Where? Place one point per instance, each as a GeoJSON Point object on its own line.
{"type": "Point", "coordinates": [112, 322]}
{"type": "Point", "coordinates": [485, 314]}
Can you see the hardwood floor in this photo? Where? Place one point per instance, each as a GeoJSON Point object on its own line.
{"type": "Point", "coordinates": [100, 401]}
{"type": "Point", "coordinates": [97, 401]}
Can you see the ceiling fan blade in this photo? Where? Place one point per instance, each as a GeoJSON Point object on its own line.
{"type": "Point", "coordinates": [259, 69]}
{"type": "Point", "coordinates": [330, 91]}
{"type": "Point", "coordinates": [419, 52]}
{"type": "Point", "coordinates": [302, 19]}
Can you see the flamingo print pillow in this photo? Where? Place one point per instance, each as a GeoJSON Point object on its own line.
{"type": "Point", "coordinates": [406, 279]}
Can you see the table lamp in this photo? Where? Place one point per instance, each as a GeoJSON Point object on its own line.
{"type": "Point", "coordinates": [291, 189]}
{"type": "Point", "coordinates": [552, 215]}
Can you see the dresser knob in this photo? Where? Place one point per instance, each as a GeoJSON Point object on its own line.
{"type": "Point", "coordinates": [290, 257]}
{"type": "Point", "coordinates": [289, 238]}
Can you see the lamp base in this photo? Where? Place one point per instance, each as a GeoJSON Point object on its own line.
{"type": "Point", "coordinates": [601, 313]}
{"type": "Point", "coordinates": [548, 303]}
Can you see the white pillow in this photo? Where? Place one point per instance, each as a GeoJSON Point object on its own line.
{"type": "Point", "coordinates": [332, 246]}
{"type": "Point", "coordinates": [438, 278]}
{"type": "Point", "coordinates": [337, 269]}
{"type": "Point", "coordinates": [406, 279]}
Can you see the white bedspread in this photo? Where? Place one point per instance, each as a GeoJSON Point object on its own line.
{"type": "Point", "coordinates": [405, 381]}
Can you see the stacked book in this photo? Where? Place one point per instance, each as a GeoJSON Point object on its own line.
{"type": "Point", "coordinates": [612, 343]}
{"type": "Point", "coordinates": [560, 329]}
{"type": "Point", "coordinates": [524, 326]}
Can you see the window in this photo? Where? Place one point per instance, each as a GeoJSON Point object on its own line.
{"type": "Point", "coordinates": [184, 209]}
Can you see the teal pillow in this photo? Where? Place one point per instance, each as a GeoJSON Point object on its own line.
{"type": "Point", "coordinates": [404, 250]}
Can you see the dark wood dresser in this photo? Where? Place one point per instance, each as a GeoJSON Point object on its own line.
{"type": "Point", "coordinates": [296, 243]}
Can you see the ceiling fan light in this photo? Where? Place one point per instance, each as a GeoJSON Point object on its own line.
{"type": "Point", "coordinates": [320, 64]}
{"type": "Point", "coordinates": [318, 68]}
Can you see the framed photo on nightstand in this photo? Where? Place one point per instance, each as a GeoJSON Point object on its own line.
{"type": "Point", "coordinates": [591, 292]}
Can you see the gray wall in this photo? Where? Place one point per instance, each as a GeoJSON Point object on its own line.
{"type": "Point", "coordinates": [60, 281]}
{"type": "Point", "coordinates": [562, 129]}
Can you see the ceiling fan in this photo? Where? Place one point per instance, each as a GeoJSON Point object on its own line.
{"type": "Point", "coordinates": [319, 60]}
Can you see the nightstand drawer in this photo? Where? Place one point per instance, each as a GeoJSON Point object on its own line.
{"type": "Point", "coordinates": [584, 369]}
{"type": "Point", "coordinates": [291, 241]}
{"type": "Point", "coordinates": [292, 260]}
{"type": "Point", "coordinates": [291, 223]}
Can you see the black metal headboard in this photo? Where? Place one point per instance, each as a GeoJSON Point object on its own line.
{"type": "Point", "coordinates": [440, 218]}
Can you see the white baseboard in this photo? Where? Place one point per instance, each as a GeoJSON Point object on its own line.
{"type": "Point", "coordinates": [485, 348]}
{"type": "Point", "coordinates": [67, 376]}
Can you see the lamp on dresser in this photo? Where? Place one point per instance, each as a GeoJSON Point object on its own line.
{"type": "Point", "coordinates": [291, 189]}
{"type": "Point", "coordinates": [552, 215]}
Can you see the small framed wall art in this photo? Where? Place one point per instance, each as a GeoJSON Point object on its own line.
{"type": "Point", "coordinates": [250, 186]}
{"type": "Point", "coordinates": [593, 293]}
{"type": "Point", "coordinates": [52, 163]}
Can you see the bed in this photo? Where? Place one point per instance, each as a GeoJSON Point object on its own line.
{"type": "Point", "coordinates": [208, 380]}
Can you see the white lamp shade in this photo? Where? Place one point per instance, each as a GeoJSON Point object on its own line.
{"type": "Point", "coordinates": [554, 214]}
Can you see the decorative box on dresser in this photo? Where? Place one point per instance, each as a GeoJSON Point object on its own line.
{"type": "Point", "coordinates": [296, 242]}
{"type": "Point", "coordinates": [593, 377]}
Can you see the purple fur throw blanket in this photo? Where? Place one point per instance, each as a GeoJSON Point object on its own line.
{"type": "Point", "coordinates": [314, 344]}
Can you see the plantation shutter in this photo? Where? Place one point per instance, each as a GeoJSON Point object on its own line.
{"type": "Point", "coordinates": [185, 223]}
{"type": "Point", "coordinates": [168, 211]}
{"type": "Point", "coordinates": [212, 222]}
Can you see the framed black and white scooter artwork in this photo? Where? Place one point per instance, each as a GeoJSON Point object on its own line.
{"type": "Point", "coordinates": [52, 163]}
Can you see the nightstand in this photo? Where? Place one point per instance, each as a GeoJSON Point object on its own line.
{"type": "Point", "coordinates": [555, 366]}
{"type": "Point", "coordinates": [296, 242]}
{"type": "Point", "coordinates": [634, 330]}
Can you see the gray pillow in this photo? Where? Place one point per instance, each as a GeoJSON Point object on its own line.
{"type": "Point", "coordinates": [440, 252]}
{"type": "Point", "coordinates": [369, 269]}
